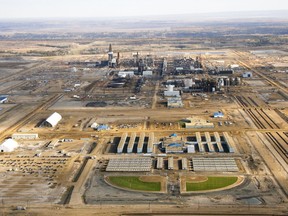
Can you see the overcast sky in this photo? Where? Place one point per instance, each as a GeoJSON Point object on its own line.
{"type": "Point", "coordinates": [116, 8]}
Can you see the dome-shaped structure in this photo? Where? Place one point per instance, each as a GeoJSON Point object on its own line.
{"type": "Point", "coordinates": [53, 120]}
{"type": "Point", "coordinates": [8, 145]}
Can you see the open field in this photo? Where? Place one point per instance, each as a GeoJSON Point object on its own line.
{"type": "Point", "coordinates": [209, 183]}
{"type": "Point", "coordinates": [134, 183]}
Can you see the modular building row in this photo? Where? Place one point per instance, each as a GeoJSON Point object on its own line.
{"type": "Point", "coordinates": [129, 165]}
{"type": "Point", "coordinates": [122, 143]}
{"type": "Point", "coordinates": [215, 164]}
{"type": "Point", "coordinates": [132, 142]}
{"type": "Point", "coordinates": [141, 143]}
{"type": "Point", "coordinates": [206, 144]}
{"type": "Point", "coordinates": [170, 163]}
{"type": "Point", "coordinates": [160, 163]}
{"type": "Point", "coordinates": [26, 136]}
{"type": "Point", "coordinates": [202, 142]}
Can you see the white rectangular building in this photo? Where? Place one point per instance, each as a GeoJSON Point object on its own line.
{"type": "Point", "coordinates": [191, 149]}
{"type": "Point", "coordinates": [131, 143]}
{"type": "Point", "coordinates": [126, 74]}
{"type": "Point", "coordinates": [122, 143]}
{"type": "Point", "coordinates": [209, 143]}
{"type": "Point", "coordinates": [141, 143]}
{"type": "Point", "coordinates": [150, 143]}
{"type": "Point", "coordinates": [199, 141]}
{"type": "Point", "coordinates": [172, 93]}
{"type": "Point", "coordinates": [160, 163]}
{"type": "Point", "coordinates": [170, 163]}
{"type": "Point", "coordinates": [184, 164]}
{"type": "Point", "coordinates": [31, 136]}
{"type": "Point", "coordinates": [147, 73]}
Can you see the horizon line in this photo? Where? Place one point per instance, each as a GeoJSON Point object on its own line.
{"type": "Point", "coordinates": [145, 16]}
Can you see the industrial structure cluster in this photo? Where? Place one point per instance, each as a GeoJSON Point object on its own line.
{"type": "Point", "coordinates": [165, 121]}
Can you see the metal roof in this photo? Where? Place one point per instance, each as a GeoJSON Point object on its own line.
{"type": "Point", "coordinates": [218, 114]}
{"type": "Point", "coordinates": [9, 145]}
{"type": "Point", "coordinates": [54, 119]}
{"type": "Point", "coordinates": [175, 145]}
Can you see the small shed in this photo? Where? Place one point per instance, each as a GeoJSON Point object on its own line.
{"type": "Point", "coordinates": [94, 125]}
{"type": "Point", "coordinates": [103, 127]}
{"type": "Point", "coordinates": [147, 73]}
{"type": "Point", "coordinates": [247, 75]}
{"type": "Point", "coordinates": [218, 115]}
{"type": "Point", "coordinates": [173, 135]}
{"type": "Point", "coordinates": [8, 145]}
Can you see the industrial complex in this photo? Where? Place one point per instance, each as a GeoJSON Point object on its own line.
{"type": "Point", "coordinates": [158, 124]}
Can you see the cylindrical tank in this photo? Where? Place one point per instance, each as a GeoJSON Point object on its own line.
{"type": "Point", "coordinates": [232, 81]}
{"type": "Point", "coordinates": [238, 81]}
{"type": "Point", "coordinates": [170, 87]}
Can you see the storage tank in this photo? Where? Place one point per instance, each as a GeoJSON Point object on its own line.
{"type": "Point", "coordinates": [170, 88]}
{"type": "Point", "coordinates": [238, 81]}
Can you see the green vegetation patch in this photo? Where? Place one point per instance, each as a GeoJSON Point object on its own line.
{"type": "Point", "coordinates": [134, 183]}
{"type": "Point", "coordinates": [211, 184]}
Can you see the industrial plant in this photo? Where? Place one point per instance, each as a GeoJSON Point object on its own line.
{"type": "Point", "coordinates": [190, 118]}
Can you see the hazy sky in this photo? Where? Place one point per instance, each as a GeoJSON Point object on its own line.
{"type": "Point", "coordinates": [112, 8]}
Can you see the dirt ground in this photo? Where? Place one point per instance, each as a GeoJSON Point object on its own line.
{"type": "Point", "coordinates": [30, 85]}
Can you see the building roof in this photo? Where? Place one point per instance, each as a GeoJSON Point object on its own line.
{"type": "Point", "coordinates": [3, 98]}
{"type": "Point", "coordinates": [175, 145]}
{"type": "Point", "coordinates": [125, 73]}
{"type": "Point", "coordinates": [218, 114]}
{"type": "Point", "coordinates": [9, 145]}
{"type": "Point", "coordinates": [199, 125]}
{"type": "Point", "coordinates": [54, 119]}
{"type": "Point", "coordinates": [94, 125]}
{"type": "Point", "coordinates": [103, 127]}
{"type": "Point", "coordinates": [174, 102]}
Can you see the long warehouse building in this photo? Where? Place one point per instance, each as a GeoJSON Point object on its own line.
{"type": "Point", "coordinates": [218, 141]}
{"type": "Point", "coordinates": [122, 143]}
{"type": "Point", "coordinates": [131, 143]}
{"type": "Point", "coordinates": [170, 163]}
{"type": "Point", "coordinates": [160, 163]}
{"type": "Point", "coordinates": [150, 143]}
{"type": "Point", "coordinates": [229, 141]}
{"type": "Point", "coordinates": [141, 143]}
{"type": "Point", "coordinates": [184, 164]}
{"type": "Point", "coordinates": [199, 141]}
{"type": "Point", "coordinates": [209, 143]}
